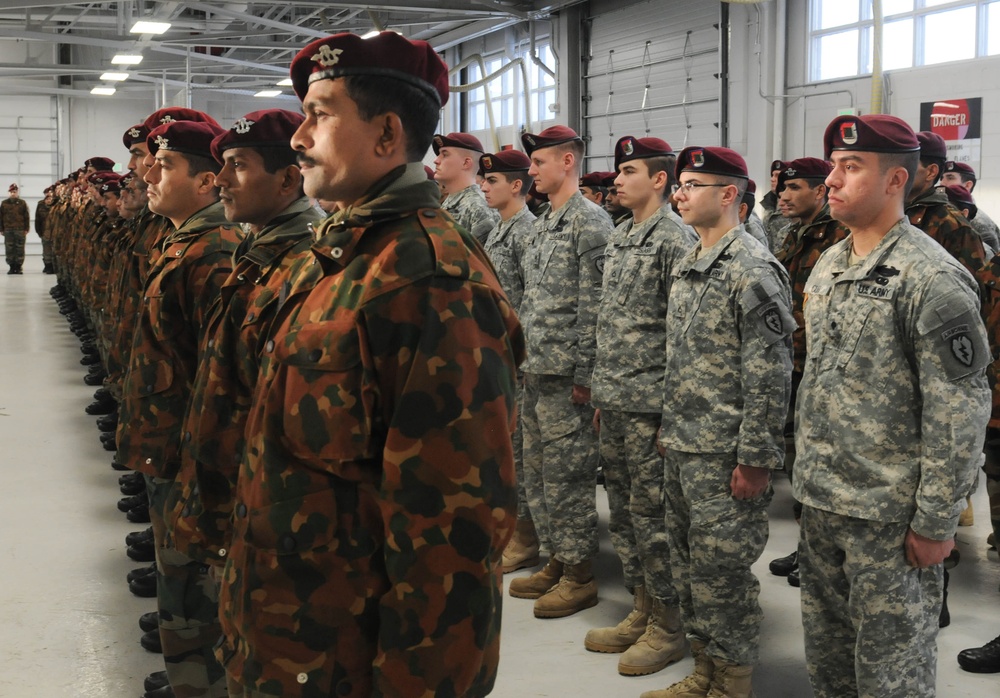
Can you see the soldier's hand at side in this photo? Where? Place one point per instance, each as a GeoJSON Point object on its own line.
{"type": "Point", "coordinates": [923, 552]}
{"type": "Point", "coordinates": [749, 482]}
{"type": "Point", "coordinates": [597, 421]}
{"type": "Point", "coordinates": [580, 396]}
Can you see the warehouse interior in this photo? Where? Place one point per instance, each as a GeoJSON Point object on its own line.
{"type": "Point", "coordinates": [763, 77]}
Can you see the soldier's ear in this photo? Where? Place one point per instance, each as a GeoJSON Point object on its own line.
{"type": "Point", "coordinates": [392, 136]}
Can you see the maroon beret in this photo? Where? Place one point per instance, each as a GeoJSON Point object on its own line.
{"type": "Point", "coordinates": [267, 128]}
{"type": "Point", "coordinates": [170, 114]}
{"type": "Point", "coordinates": [593, 179]}
{"type": "Point", "coordinates": [715, 160]}
{"type": "Point", "coordinates": [457, 140]}
{"type": "Point", "coordinates": [553, 135]}
{"type": "Point", "coordinates": [505, 161]}
{"type": "Point", "coordinates": [12, 187]}
{"type": "Point", "coordinates": [961, 198]}
{"type": "Point", "coordinates": [875, 133]}
{"type": "Point", "coordinates": [126, 178]}
{"type": "Point", "coordinates": [778, 165]}
{"type": "Point", "coordinates": [804, 168]}
{"type": "Point", "coordinates": [191, 137]}
{"type": "Point", "coordinates": [751, 187]}
{"type": "Point", "coordinates": [100, 164]}
{"type": "Point", "coordinates": [631, 148]}
{"type": "Point", "coordinates": [609, 179]}
{"type": "Point", "coordinates": [932, 145]}
{"type": "Point", "coordinates": [111, 185]}
{"type": "Point", "coordinates": [963, 168]}
{"type": "Point", "coordinates": [387, 55]}
{"type": "Point", "coordinates": [99, 178]}
{"type": "Point", "coordinates": [535, 194]}
{"type": "Point", "coordinates": [135, 134]}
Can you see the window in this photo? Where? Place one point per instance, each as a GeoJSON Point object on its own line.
{"type": "Point", "coordinates": [506, 91]}
{"type": "Point", "coordinates": [914, 33]}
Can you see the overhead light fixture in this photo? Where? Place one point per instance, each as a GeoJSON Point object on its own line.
{"type": "Point", "coordinates": [287, 82]}
{"type": "Point", "coordinates": [105, 91]}
{"type": "Point", "coordinates": [144, 27]}
{"type": "Point", "coordinates": [114, 77]}
{"type": "Point", "coordinates": [268, 93]}
{"type": "Point", "coordinates": [126, 59]}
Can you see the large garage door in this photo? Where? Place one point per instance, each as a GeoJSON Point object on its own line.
{"type": "Point", "coordinates": [652, 70]}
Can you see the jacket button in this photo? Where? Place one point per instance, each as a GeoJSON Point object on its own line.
{"type": "Point", "coordinates": [250, 317]}
{"type": "Point", "coordinates": [187, 436]}
{"type": "Point", "coordinates": [336, 253]}
{"type": "Point", "coordinates": [241, 510]}
{"type": "Point", "coordinates": [269, 347]}
{"type": "Point", "coordinates": [186, 511]}
{"type": "Point", "coordinates": [302, 677]}
{"type": "Point", "coordinates": [315, 355]}
{"type": "Point", "coordinates": [148, 461]}
{"type": "Point", "coordinates": [287, 543]}
{"type": "Point", "coordinates": [222, 552]}
{"type": "Point", "coordinates": [430, 214]}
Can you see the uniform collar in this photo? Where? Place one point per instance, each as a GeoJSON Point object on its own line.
{"type": "Point", "coordinates": [929, 198]}
{"type": "Point", "coordinates": [841, 264]}
{"type": "Point", "coordinates": [715, 252]}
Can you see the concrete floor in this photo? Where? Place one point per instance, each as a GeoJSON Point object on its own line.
{"type": "Point", "coordinates": [69, 623]}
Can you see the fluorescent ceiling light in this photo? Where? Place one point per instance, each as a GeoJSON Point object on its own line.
{"type": "Point", "coordinates": [106, 91]}
{"type": "Point", "coordinates": [143, 27]}
{"type": "Point", "coordinates": [114, 77]}
{"type": "Point", "coordinates": [287, 82]}
{"type": "Point", "coordinates": [268, 93]}
{"type": "Point", "coordinates": [126, 59]}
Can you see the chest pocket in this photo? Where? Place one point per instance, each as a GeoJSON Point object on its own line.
{"type": "Point", "coordinates": [328, 399]}
{"type": "Point", "coordinates": [636, 275]}
{"type": "Point", "coordinates": [163, 317]}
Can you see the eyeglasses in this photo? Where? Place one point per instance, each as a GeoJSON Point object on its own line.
{"type": "Point", "coordinates": [689, 187]}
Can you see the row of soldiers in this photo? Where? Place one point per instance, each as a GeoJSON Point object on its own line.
{"type": "Point", "coordinates": [322, 407]}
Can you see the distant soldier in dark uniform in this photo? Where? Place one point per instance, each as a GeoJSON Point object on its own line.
{"type": "Point", "coordinates": [961, 174]}
{"type": "Point", "coordinates": [41, 219]}
{"type": "Point", "coordinates": [14, 228]}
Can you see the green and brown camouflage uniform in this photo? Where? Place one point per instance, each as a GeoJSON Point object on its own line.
{"type": "Point", "coordinates": [378, 490]}
{"type": "Point", "coordinates": [14, 226]}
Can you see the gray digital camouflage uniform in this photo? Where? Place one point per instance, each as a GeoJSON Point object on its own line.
{"type": "Point", "coordinates": [726, 391]}
{"type": "Point", "coordinates": [469, 209]}
{"type": "Point", "coordinates": [628, 388]}
{"type": "Point", "coordinates": [506, 246]}
{"type": "Point", "coordinates": [755, 226]}
{"type": "Point", "coordinates": [987, 230]}
{"type": "Point", "coordinates": [563, 273]}
{"type": "Point", "coordinates": [891, 415]}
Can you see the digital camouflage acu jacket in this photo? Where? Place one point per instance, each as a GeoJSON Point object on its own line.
{"type": "Point", "coordinates": [199, 515]}
{"type": "Point", "coordinates": [469, 209]}
{"type": "Point", "coordinates": [181, 288]}
{"type": "Point", "coordinates": [632, 323]}
{"type": "Point", "coordinates": [563, 270]}
{"type": "Point", "coordinates": [378, 487]}
{"type": "Point", "coordinates": [729, 355]}
{"type": "Point", "coordinates": [892, 408]}
{"type": "Point", "coordinates": [506, 246]}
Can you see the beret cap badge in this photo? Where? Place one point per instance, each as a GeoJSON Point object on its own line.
{"type": "Point", "coordinates": [849, 133]}
{"type": "Point", "coordinates": [327, 56]}
{"type": "Point", "coordinates": [243, 125]}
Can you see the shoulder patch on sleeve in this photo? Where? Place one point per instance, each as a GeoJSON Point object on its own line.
{"type": "Point", "coordinates": [952, 325]}
{"type": "Point", "coordinates": [766, 310]}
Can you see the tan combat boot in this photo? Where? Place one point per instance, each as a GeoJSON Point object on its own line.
{"type": "Point", "coordinates": [522, 550]}
{"type": "Point", "coordinates": [537, 584]}
{"type": "Point", "coordinates": [663, 643]}
{"type": "Point", "coordinates": [694, 686]}
{"type": "Point", "coordinates": [622, 636]}
{"type": "Point", "coordinates": [576, 591]}
{"type": "Point", "coordinates": [731, 681]}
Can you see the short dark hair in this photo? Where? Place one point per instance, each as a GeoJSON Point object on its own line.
{"type": "Point", "coordinates": [201, 163]}
{"type": "Point", "coordinates": [277, 157]}
{"type": "Point", "coordinates": [927, 161]}
{"type": "Point", "coordinates": [908, 161]}
{"type": "Point", "coordinates": [521, 177]}
{"type": "Point", "coordinates": [739, 182]}
{"type": "Point", "coordinates": [663, 163]}
{"type": "Point", "coordinates": [419, 112]}
{"type": "Point", "coordinates": [577, 148]}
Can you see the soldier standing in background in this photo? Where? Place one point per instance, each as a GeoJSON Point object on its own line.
{"type": "Point", "coordinates": [563, 284]}
{"type": "Point", "coordinates": [14, 227]}
{"type": "Point", "coordinates": [891, 414]}
{"type": "Point", "coordinates": [505, 186]}
{"type": "Point", "coordinates": [41, 217]}
{"type": "Point", "coordinates": [627, 390]}
{"type": "Point", "coordinates": [962, 174]}
{"type": "Point", "coordinates": [726, 388]}
{"type": "Point", "coordinates": [455, 169]}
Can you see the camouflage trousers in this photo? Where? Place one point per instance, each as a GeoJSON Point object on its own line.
{"type": "Point", "coordinates": [48, 256]}
{"type": "Point", "coordinates": [992, 469]}
{"type": "Point", "coordinates": [523, 510]}
{"type": "Point", "coordinates": [560, 468]}
{"type": "Point", "coordinates": [13, 246]}
{"type": "Point", "coordinates": [871, 620]}
{"type": "Point", "coordinates": [238, 690]}
{"type": "Point", "coordinates": [633, 472]}
{"type": "Point", "coordinates": [714, 539]}
{"type": "Point", "coordinates": [187, 598]}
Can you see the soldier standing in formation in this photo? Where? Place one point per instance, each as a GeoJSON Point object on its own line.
{"type": "Point", "coordinates": [455, 167]}
{"type": "Point", "coordinates": [961, 174]}
{"type": "Point", "coordinates": [14, 227]}
{"type": "Point", "coordinates": [891, 414]}
{"type": "Point", "coordinates": [377, 490]}
{"type": "Point", "coordinates": [505, 186]}
{"type": "Point", "coordinates": [564, 269]}
{"type": "Point", "coordinates": [726, 388]}
{"type": "Point", "coordinates": [41, 216]}
{"type": "Point", "coordinates": [627, 389]}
